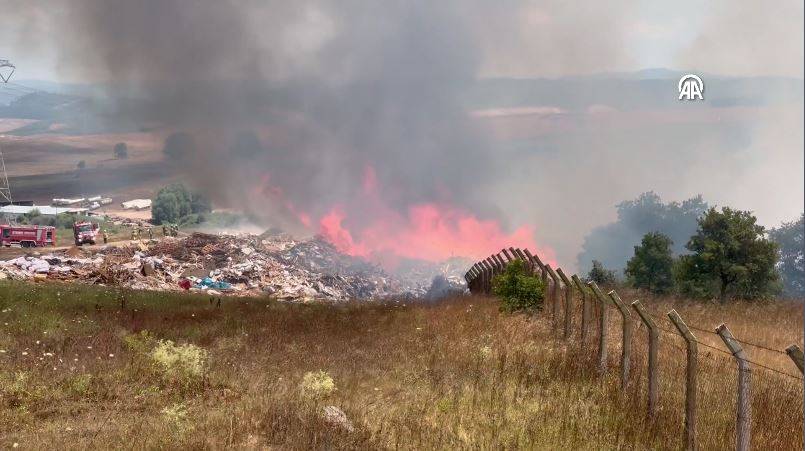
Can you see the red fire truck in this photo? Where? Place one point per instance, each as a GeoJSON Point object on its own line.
{"type": "Point", "coordinates": [27, 235]}
{"type": "Point", "coordinates": [85, 232]}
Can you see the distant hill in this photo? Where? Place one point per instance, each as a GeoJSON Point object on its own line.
{"type": "Point", "coordinates": [647, 89]}
{"type": "Point", "coordinates": [82, 108]}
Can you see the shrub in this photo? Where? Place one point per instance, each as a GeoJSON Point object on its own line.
{"type": "Point", "coordinates": [184, 365]}
{"type": "Point", "coordinates": [317, 384]}
{"type": "Point", "coordinates": [79, 384]}
{"type": "Point", "coordinates": [517, 289]}
{"type": "Point", "coordinates": [176, 420]}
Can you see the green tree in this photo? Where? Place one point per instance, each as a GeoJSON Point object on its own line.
{"type": "Point", "coordinates": [172, 203]}
{"type": "Point", "coordinates": [731, 258]}
{"type": "Point", "coordinates": [517, 289]}
{"type": "Point", "coordinates": [121, 151]}
{"type": "Point", "coordinates": [789, 237]}
{"type": "Point", "coordinates": [651, 266]}
{"type": "Point", "coordinates": [601, 275]}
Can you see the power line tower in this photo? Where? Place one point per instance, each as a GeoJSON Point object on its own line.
{"type": "Point", "coordinates": [5, 188]}
{"type": "Point", "coordinates": [6, 64]}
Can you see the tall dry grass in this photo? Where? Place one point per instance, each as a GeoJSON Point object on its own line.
{"type": "Point", "coordinates": [78, 371]}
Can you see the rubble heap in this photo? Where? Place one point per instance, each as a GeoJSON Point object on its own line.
{"type": "Point", "coordinates": [240, 265]}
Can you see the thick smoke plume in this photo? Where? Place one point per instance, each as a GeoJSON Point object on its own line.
{"type": "Point", "coordinates": [352, 119]}
{"type": "Point", "coordinates": [344, 118]}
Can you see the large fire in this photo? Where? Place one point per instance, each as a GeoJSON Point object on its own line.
{"type": "Point", "coordinates": [432, 231]}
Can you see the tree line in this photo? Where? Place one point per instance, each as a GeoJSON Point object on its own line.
{"type": "Point", "coordinates": [729, 256]}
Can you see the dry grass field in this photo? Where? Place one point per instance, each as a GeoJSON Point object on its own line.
{"type": "Point", "coordinates": [92, 368]}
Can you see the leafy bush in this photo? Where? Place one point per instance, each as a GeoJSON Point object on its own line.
{"type": "Point", "coordinates": [176, 420]}
{"type": "Point", "coordinates": [650, 267]}
{"type": "Point", "coordinates": [601, 275]}
{"type": "Point", "coordinates": [517, 289]}
{"type": "Point", "coordinates": [317, 384]}
{"type": "Point", "coordinates": [185, 365]}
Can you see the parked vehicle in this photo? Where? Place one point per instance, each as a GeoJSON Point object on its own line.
{"type": "Point", "coordinates": [27, 235]}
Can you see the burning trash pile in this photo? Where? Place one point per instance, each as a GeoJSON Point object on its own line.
{"type": "Point", "coordinates": [240, 265]}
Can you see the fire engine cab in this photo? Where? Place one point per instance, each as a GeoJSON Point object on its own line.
{"type": "Point", "coordinates": [85, 232]}
{"type": "Point", "coordinates": [27, 235]}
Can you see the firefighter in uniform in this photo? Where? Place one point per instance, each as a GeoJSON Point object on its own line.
{"type": "Point", "coordinates": [105, 236]}
{"type": "Point", "coordinates": [150, 234]}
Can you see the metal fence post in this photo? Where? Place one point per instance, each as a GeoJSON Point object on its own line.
{"type": "Point", "coordinates": [532, 262]}
{"type": "Point", "coordinates": [484, 274]}
{"type": "Point", "coordinates": [568, 302]}
{"type": "Point", "coordinates": [626, 337]}
{"type": "Point", "coordinates": [692, 370]}
{"type": "Point", "coordinates": [795, 353]}
{"type": "Point", "coordinates": [585, 310]}
{"type": "Point", "coordinates": [602, 327]}
{"type": "Point", "coordinates": [653, 342]}
{"type": "Point", "coordinates": [543, 271]}
{"type": "Point", "coordinates": [743, 429]}
{"type": "Point", "coordinates": [555, 291]}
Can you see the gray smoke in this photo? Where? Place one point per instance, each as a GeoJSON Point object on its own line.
{"type": "Point", "coordinates": [378, 86]}
{"type": "Point", "coordinates": [292, 101]}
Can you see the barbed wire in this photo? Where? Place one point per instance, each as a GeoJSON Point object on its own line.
{"type": "Point", "coordinates": [745, 342]}
{"type": "Point", "coordinates": [760, 365]}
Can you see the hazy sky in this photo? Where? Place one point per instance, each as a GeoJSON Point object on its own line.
{"type": "Point", "coordinates": [523, 38]}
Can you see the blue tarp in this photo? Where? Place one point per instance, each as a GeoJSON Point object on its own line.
{"type": "Point", "coordinates": [216, 285]}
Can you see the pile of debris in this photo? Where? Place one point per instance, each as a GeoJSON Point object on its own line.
{"type": "Point", "coordinates": [241, 265]}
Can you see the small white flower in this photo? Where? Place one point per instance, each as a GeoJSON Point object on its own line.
{"type": "Point", "coordinates": [111, 355]}
{"type": "Point", "coordinates": [15, 445]}
{"type": "Point", "coordinates": [48, 354]}
{"type": "Point", "coordinates": [89, 347]}
{"type": "Point", "coordinates": [24, 352]}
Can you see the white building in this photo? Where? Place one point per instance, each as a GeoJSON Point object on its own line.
{"type": "Point", "coordinates": [19, 210]}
